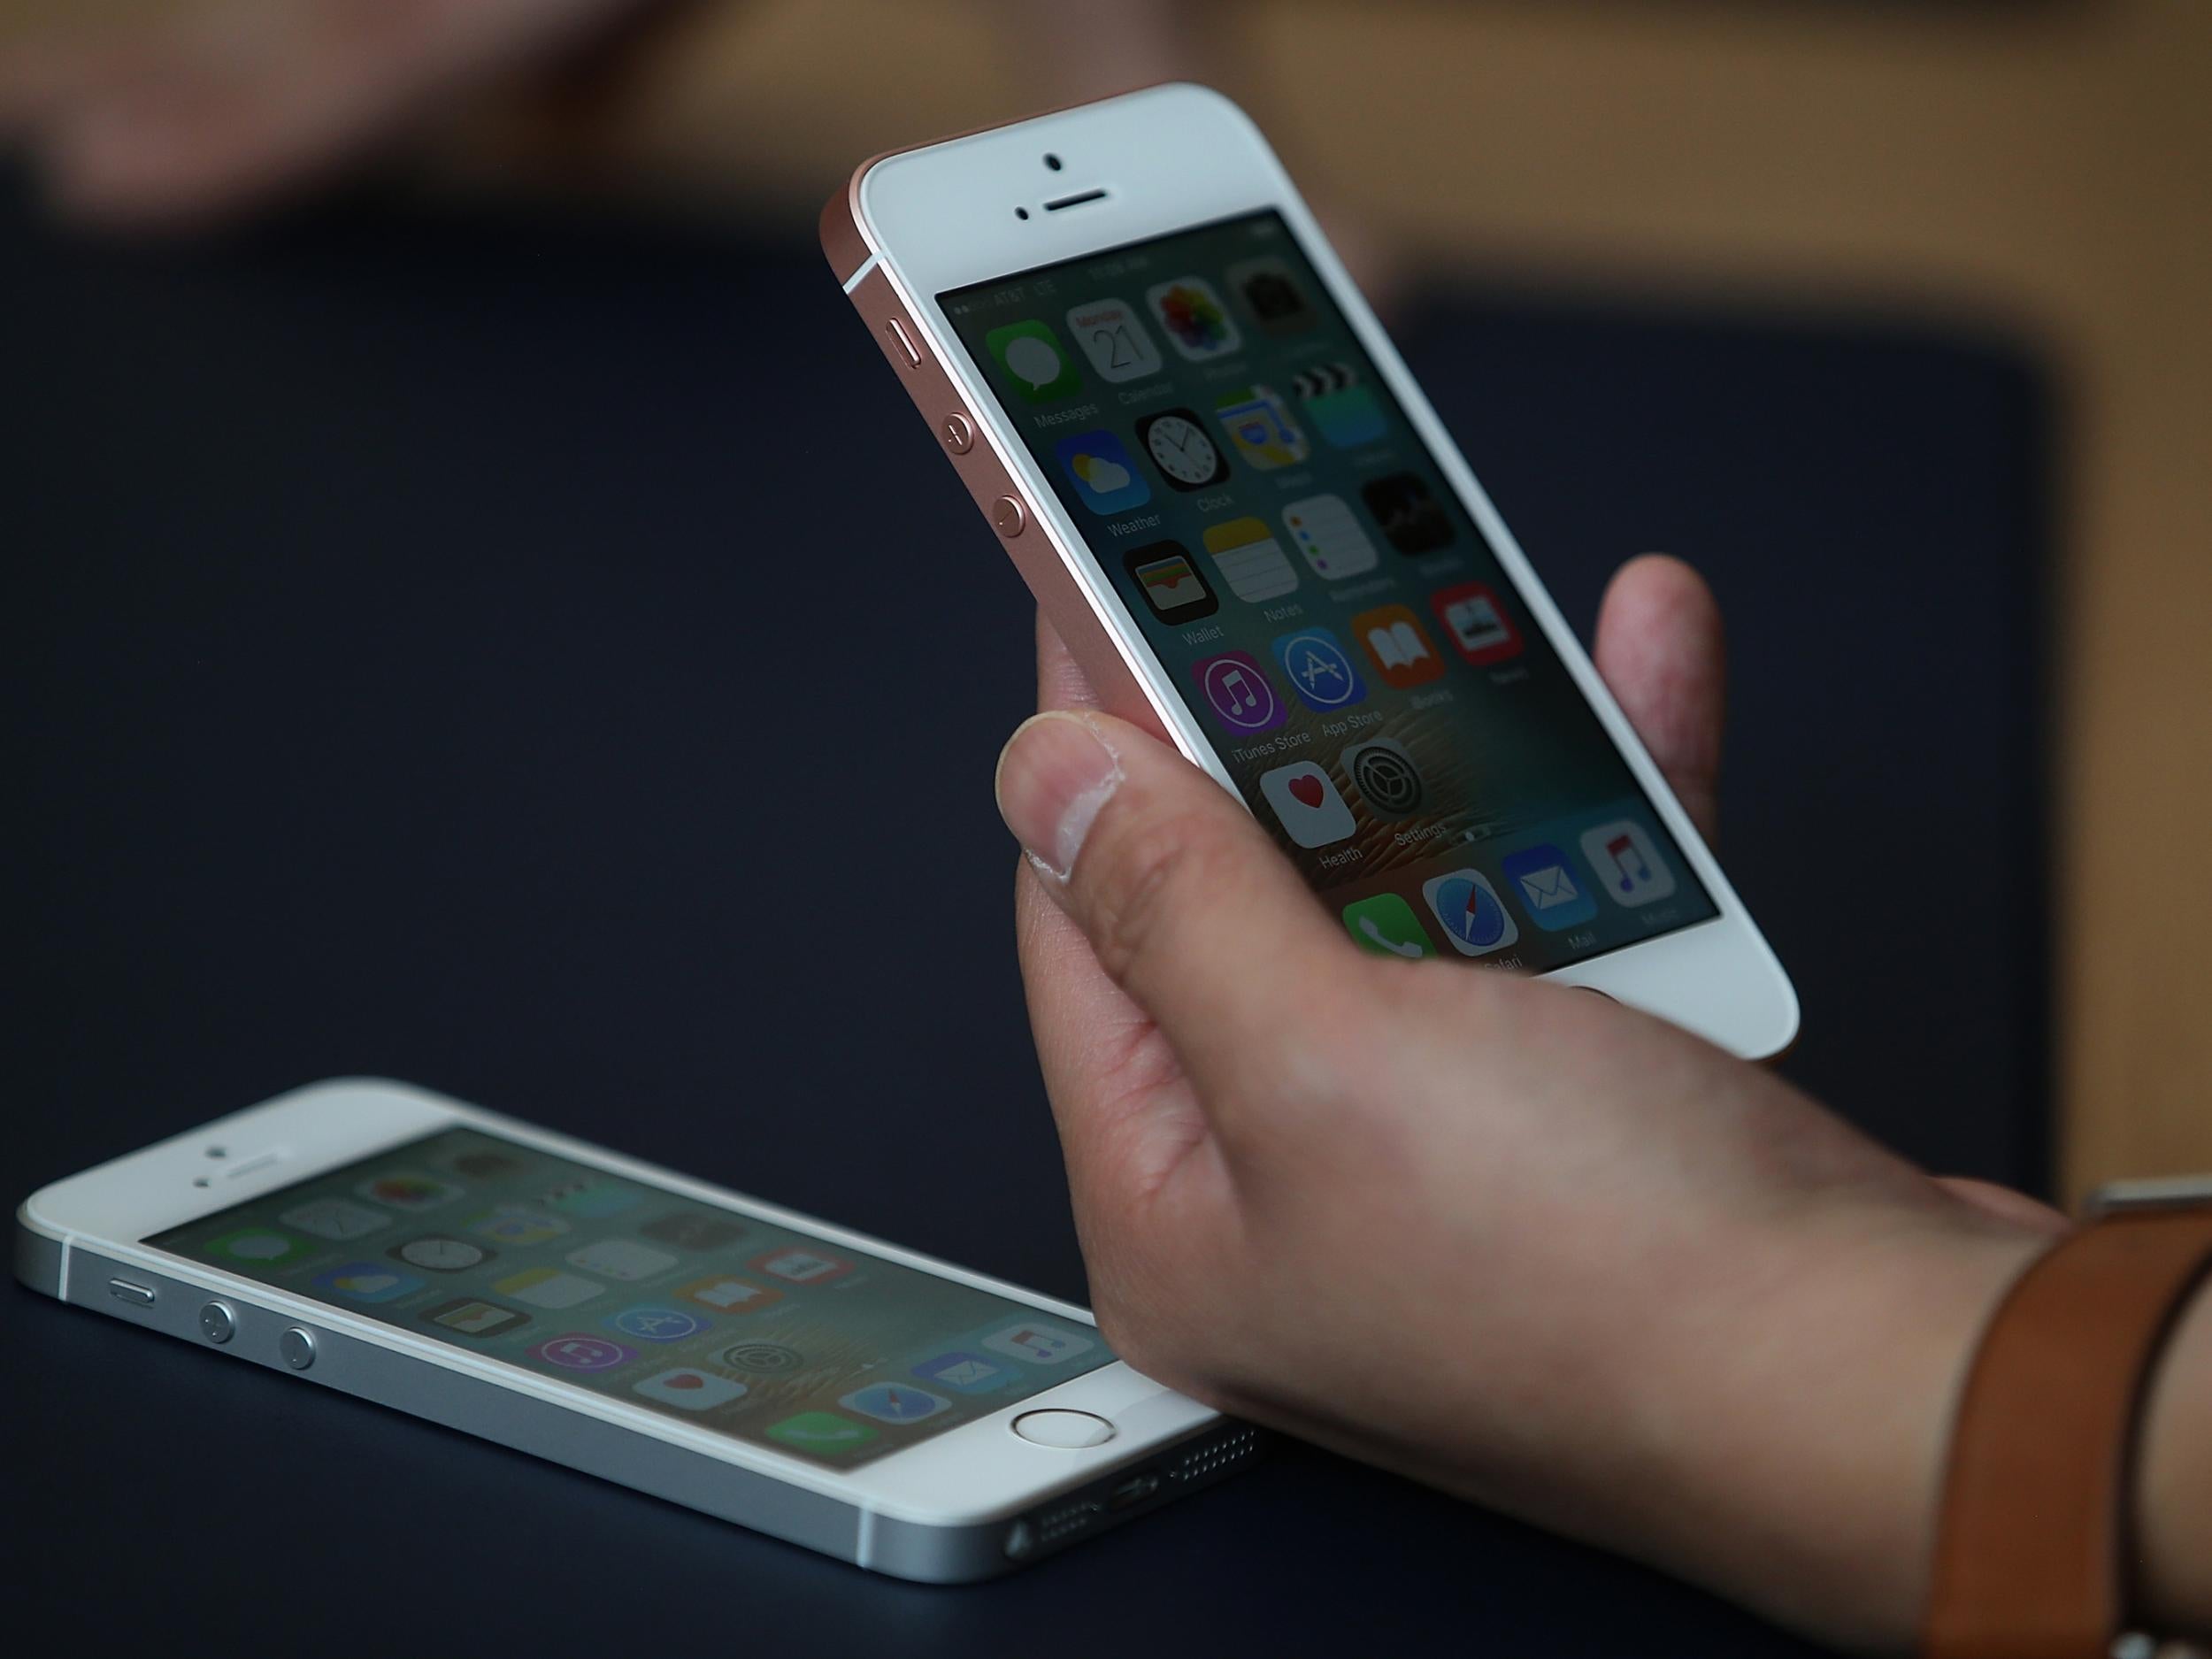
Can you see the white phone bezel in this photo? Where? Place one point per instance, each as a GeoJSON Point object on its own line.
{"type": "Point", "coordinates": [1170, 159]}
{"type": "Point", "coordinates": [978, 1472]}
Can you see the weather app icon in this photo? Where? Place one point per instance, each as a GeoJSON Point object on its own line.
{"type": "Point", "coordinates": [1102, 471]}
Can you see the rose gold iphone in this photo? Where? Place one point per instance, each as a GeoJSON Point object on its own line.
{"type": "Point", "coordinates": [1237, 508]}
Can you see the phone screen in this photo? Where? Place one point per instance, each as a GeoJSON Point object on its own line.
{"type": "Point", "coordinates": [754, 1330]}
{"type": "Point", "coordinates": [1322, 600]}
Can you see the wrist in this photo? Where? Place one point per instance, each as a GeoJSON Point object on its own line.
{"type": "Point", "coordinates": [2173, 1480]}
{"type": "Point", "coordinates": [1800, 1452]}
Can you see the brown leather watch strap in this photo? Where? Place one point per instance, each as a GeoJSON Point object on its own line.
{"type": "Point", "coordinates": [2031, 1557]}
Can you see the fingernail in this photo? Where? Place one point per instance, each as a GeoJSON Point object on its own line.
{"type": "Point", "coordinates": [1054, 776]}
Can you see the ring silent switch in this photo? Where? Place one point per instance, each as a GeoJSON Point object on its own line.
{"type": "Point", "coordinates": [218, 1324]}
{"type": "Point", "coordinates": [913, 352]}
{"type": "Point", "coordinates": [298, 1348]}
{"type": "Point", "coordinates": [1067, 1430]}
{"type": "Point", "coordinates": [1007, 515]}
{"type": "Point", "coordinates": [137, 1296]}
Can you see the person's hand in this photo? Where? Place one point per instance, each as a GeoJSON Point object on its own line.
{"type": "Point", "coordinates": [214, 106]}
{"type": "Point", "coordinates": [1506, 1236]}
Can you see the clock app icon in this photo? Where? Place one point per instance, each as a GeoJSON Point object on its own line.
{"type": "Point", "coordinates": [1186, 457]}
{"type": "Point", "coordinates": [441, 1254]}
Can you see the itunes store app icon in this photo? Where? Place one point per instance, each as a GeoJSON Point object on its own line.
{"type": "Point", "coordinates": [1239, 693]}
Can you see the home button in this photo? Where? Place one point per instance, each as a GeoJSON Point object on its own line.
{"type": "Point", "coordinates": [1069, 1431]}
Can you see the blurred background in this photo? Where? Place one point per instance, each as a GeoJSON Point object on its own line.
{"type": "Point", "coordinates": [476, 610]}
{"type": "Point", "coordinates": [2025, 182]}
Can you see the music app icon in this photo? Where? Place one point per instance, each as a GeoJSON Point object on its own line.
{"type": "Point", "coordinates": [1240, 694]}
{"type": "Point", "coordinates": [1628, 867]}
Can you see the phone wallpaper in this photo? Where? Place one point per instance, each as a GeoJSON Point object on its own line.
{"type": "Point", "coordinates": [1323, 602]}
{"type": "Point", "coordinates": [725, 1320]}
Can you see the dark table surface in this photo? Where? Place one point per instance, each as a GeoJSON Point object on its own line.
{"type": "Point", "coordinates": [546, 662]}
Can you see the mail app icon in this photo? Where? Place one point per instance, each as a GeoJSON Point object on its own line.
{"type": "Point", "coordinates": [1553, 895]}
{"type": "Point", "coordinates": [964, 1372]}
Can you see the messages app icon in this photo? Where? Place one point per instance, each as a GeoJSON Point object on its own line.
{"type": "Point", "coordinates": [1030, 357]}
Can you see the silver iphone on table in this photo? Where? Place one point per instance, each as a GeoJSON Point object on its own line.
{"type": "Point", "coordinates": [798, 1379]}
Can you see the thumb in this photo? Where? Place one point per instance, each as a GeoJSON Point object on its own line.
{"type": "Point", "coordinates": [1186, 904]}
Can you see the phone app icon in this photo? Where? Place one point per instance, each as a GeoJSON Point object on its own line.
{"type": "Point", "coordinates": [367, 1281]}
{"type": "Point", "coordinates": [1476, 622]}
{"type": "Point", "coordinates": [1331, 538]}
{"type": "Point", "coordinates": [1306, 803]}
{"type": "Point", "coordinates": [1398, 647]}
{"type": "Point", "coordinates": [513, 1225]}
{"type": "Point", "coordinates": [1030, 357]}
{"type": "Point", "coordinates": [689, 1388]}
{"type": "Point", "coordinates": [1251, 560]}
{"type": "Point", "coordinates": [1387, 926]}
{"type": "Point", "coordinates": [1319, 670]}
{"type": "Point", "coordinates": [1628, 867]}
{"type": "Point", "coordinates": [1272, 294]}
{"type": "Point", "coordinates": [725, 1293]}
{"type": "Point", "coordinates": [1468, 907]}
{"type": "Point", "coordinates": [264, 1247]}
{"type": "Point", "coordinates": [1172, 589]}
{"type": "Point", "coordinates": [1554, 899]}
{"type": "Point", "coordinates": [547, 1287]}
{"type": "Point", "coordinates": [823, 1433]}
{"type": "Point", "coordinates": [405, 1189]}
{"type": "Point", "coordinates": [1114, 339]}
{"type": "Point", "coordinates": [1191, 316]}
{"type": "Point", "coordinates": [965, 1374]}
{"type": "Point", "coordinates": [1333, 396]}
{"type": "Point", "coordinates": [1412, 518]}
{"type": "Point", "coordinates": [1386, 777]}
{"type": "Point", "coordinates": [580, 1350]}
{"type": "Point", "coordinates": [1039, 1345]}
{"type": "Point", "coordinates": [894, 1402]}
{"type": "Point", "coordinates": [763, 1359]}
{"type": "Point", "coordinates": [1259, 424]}
{"type": "Point", "coordinates": [1183, 450]}
{"type": "Point", "coordinates": [797, 1264]}
{"type": "Point", "coordinates": [656, 1324]}
{"type": "Point", "coordinates": [620, 1258]}
{"type": "Point", "coordinates": [1103, 473]}
{"type": "Point", "coordinates": [334, 1218]}
{"type": "Point", "coordinates": [437, 1254]}
{"type": "Point", "coordinates": [592, 1200]}
{"type": "Point", "coordinates": [1239, 693]}
{"type": "Point", "coordinates": [692, 1230]}
{"type": "Point", "coordinates": [472, 1318]}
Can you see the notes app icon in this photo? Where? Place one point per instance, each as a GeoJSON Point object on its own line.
{"type": "Point", "coordinates": [1251, 560]}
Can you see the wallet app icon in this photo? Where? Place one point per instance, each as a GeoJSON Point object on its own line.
{"type": "Point", "coordinates": [1554, 896]}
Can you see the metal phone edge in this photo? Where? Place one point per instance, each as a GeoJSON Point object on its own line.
{"type": "Point", "coordinates": [79, 1276]}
